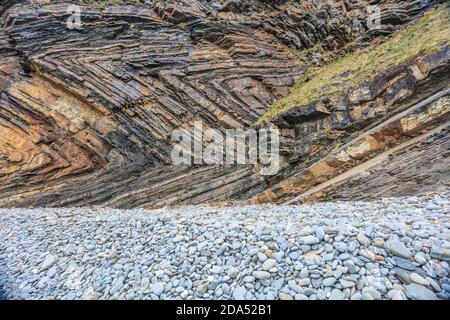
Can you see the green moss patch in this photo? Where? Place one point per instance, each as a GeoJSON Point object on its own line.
{"type": "Point", "coordinates": [425, 35]}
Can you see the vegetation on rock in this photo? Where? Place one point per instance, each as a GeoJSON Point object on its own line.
{"type": "Point", "coordinates": [425, 35]}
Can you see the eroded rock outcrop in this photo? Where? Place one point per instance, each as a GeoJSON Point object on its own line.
{"type": "Point", "coordinates": [86, 114]}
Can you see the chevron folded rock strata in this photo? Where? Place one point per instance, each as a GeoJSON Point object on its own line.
{"type": "Point", "coordinates": [86, 114]}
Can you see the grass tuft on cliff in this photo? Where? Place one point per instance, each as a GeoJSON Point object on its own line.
{"type": "Point", "coordinates": [425, 35]}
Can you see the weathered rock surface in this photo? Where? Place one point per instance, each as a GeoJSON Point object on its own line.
{"type": "Point", "coordinates": [86, 114]}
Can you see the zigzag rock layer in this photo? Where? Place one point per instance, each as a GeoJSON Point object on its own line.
{"type": "Point", "coordinates": [86, 114]}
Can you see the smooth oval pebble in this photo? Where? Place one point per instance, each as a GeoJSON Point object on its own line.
{"type": "Point", "coordinates": [418, 279]}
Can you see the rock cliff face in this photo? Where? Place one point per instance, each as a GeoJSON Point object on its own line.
{"type": "Point", "coordinates": [86, 114]}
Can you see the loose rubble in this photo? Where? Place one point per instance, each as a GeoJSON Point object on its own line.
{"type": "Point", "coordinates": [396, 249]}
